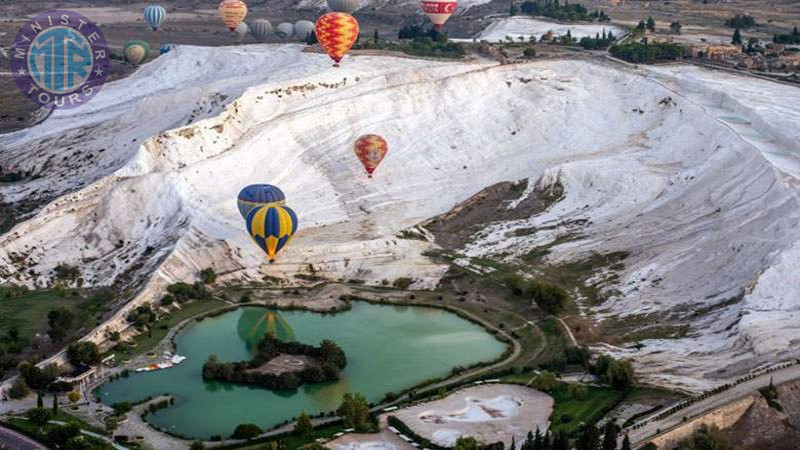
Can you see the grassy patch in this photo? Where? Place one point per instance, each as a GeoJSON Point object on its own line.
{"type": "Point", "coordinates": [570, 413]}
{"type": "Point", "coordinates": [27, 428]}
{"type": "Point", "coordinates": [27, 310]}
{"type": "Point", "coordinates": [149, 339]}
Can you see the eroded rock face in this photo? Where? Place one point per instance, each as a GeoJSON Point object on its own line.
{"type": "Point", "coordinates": [693, 190]}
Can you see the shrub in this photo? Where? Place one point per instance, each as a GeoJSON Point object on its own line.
{"type": "Point", "coordinates": [246, 431]}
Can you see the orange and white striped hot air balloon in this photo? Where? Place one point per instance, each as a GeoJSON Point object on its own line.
{"type": "Point", "coordinates": [439, 11]}
{"type": "Point", "coordinates": [336, 33]}
{"type": "Point", "coordinates": [232, 13]}
{"type": "Point", "coordinates": [370, 150]}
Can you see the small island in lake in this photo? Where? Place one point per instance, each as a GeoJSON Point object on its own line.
{"type": "Point", "coordinates": [281, 365]}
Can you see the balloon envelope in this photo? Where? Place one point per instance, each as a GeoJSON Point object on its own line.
{"type": "Point", "coordinates": [242, 30]}
{"type": "Point", "coordinates": [285, 30]}
{"type": "Point", "coordinates": [439, 11]}
{"type": "Point", "coordinates": [303, 28]}
{"type": "Point", "coordinates": [257, 195]}
{"type": "Point", "coordinates": [272, 227]}
{"type": "Point", "coordinates": [232, 13]}
{"type": "Point", "coordinates": [136, 52]}
{"type": "Point", "coordinates": [260, 29]}
{"type": "Point", "coordinates": [345, 6]}
{"type": "Point", "coordinates": [336, 33]}
{"type": "Point", "coordinates": [154, 15]}
{"type": "Point", "coordinates": [370, 150]}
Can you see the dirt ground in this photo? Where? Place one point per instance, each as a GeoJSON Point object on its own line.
{"type": "Point", "coordinates": [490, 413]}
{"type": "Point", "coordinates": [284, 363]}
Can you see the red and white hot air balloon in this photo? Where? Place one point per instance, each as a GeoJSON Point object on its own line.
{"type": "Point", "coordinates": [439, 11]}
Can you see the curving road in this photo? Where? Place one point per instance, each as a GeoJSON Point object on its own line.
{"type": "Point", "coordinates": [702, 407]}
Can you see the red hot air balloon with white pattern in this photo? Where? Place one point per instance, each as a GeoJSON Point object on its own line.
{"type": "Point", "coordinates": [439, 11]}
{"type": "Point", "coordinates": [370, 150]}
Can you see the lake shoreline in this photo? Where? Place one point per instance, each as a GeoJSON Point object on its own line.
{"type": "Point", "coordinates": [322, 303]}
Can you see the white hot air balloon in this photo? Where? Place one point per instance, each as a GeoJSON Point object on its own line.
{"type": "Point", "coordinates": [285, 30]}
{"type": "Point", "coordinates": [260, 29]}
{"type": "Point", "coordinates": [241, 31]}
{"type": "Point", "coordinates": [345, 6]}
{"type": "Point", "coordinates": [303, 28]}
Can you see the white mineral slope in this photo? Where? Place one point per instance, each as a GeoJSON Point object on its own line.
{"type": "Point", "coordinates": [708, 208]}
{"type": "Point", "coordinates": [701, 209]}
{"type": "Point", "coordinates": [77, 147]}
{"type": "Point", "coordinates": [525, 27]}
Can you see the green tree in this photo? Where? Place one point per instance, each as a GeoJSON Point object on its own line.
{"type": "Point", "coordinates": [626, 442]}
{"type": "Point", "coordinates": [55, 403]}
{"type": "Point", "coordinates": [737, 37]}
{"type": "Point", "coordinates": [197, 445]}
{"type": "Point", "coordinates": [111, 425]}
{"type": "Point", "coordinates": [589, 439]}
{"type": "Point", "coordinates": [303, 427]}
{"type": "Point", "coordinates": [208, 276]}
{"type": "Point", "coordinates": [122, 408]}
{"type": "Point", "coordinates": [466, 443]}
{"type": "Point", "coordinates": [59, 322]}
{"type": "Point", "coordinates": [355, 412]}
{"type": "Point", "coordinates": [18, 389]}
{"type": "Point", "coordinates": [649, 446]}
{"type": "Point", "coordinates": [545, 381]}
{"type": "Point", "coordinates": [375, 36]}
{"type": "Point", "coordinates": [561, 441]}
{"type": "Point", "coordinates": [610, 435]}
{"type": "Point", "coordinates": [74, 396]}
{"type": "Point", "coordinates": [39, 416]}
{"type": "Point", "coordinates": [246, 431]}
{"type": "Point", "coordinates": [83, 354]}
{"type": "Point", "coordinates": [651, 24]}
{"type": "Point", "coordinates": [676, 27]}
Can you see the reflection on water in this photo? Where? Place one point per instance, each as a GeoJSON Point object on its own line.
{"type": "Point", "coordinates": [389, 348]}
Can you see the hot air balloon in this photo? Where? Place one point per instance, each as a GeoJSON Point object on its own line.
{"type": "Point", "coordinates": [241, 31]}
{"type": "Point", "coordinates": [336, 33]}
{"type": "Point", "coordinates": [439, 11]}
{"type": "Point", "coordinates": [166, 48]}
{"type": "Point", "coordinates": [135, 52]}
{"type": "Point", "coordinates": [345, 6]}
{"type": "Point", "coordinates": [257, 195]}
{"type": "Point", "coordinates": [232, 13]}
{"type": "Point", "coordinates": [302, 28]}
{"type": "Point", "coordinates": [271, 227]}
{"type": "Point", "coordinates": [154, 15]}
{"type": "Point", "coordinates": [370, 150]}
{"type": "Point", "coordinates": [285, 30]}
{"type": "Point", "coordinates": [260, 29]}
{"type": "Point", "coordinates": [254, 323]}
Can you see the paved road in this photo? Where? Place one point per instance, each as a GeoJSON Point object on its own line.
{"type": "Point", "coordinates": [735, 393]}
{"type": "Point", "coordinates": [13, 440]}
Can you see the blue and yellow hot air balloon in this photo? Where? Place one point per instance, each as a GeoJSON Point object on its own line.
{"type": "Point", "coordinates": [257, 195]}
{"type": "Point", "coordinates": [272, 227]}
{"type": "Point", "coordinates": [254, 323]}
{"type": "Point", "coordinates": [154, 15]}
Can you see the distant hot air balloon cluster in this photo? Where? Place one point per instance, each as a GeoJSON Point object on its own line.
{"type": "Point", "coordinates": [270, 223]}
